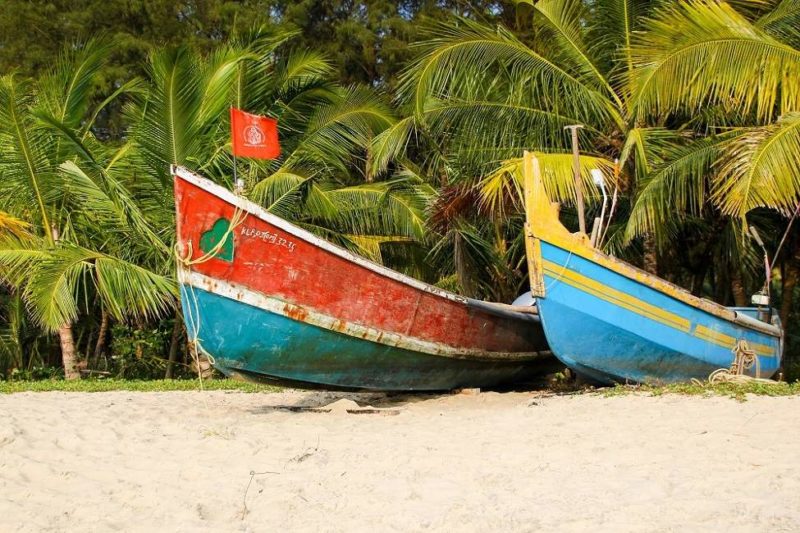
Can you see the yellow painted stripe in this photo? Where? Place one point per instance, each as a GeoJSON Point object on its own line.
{"type": "Point", "coordinates": [716, 336]}
{"type": "Point", "coordinates": [726, 341]}
{"type": "Point", "coordinates": [616, 297]}
{"type": "Point", "coordinates": [626, 301]}
{"type": "Point", "coordinates": [568, 243]}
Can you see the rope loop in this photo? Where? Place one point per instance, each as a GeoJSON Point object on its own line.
{"type": "Point", "coordinates": [743, 359]}
{"type": "Point", "coordinates": [238, 218]}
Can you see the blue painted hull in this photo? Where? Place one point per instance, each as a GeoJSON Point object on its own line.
{"type": "Point", "coordinates": [259, 344]}
{"type": "Point", "coordinates": [629, 331]}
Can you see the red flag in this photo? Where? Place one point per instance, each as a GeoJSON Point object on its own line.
{"type": "Point", "coordinates": [254, 135]}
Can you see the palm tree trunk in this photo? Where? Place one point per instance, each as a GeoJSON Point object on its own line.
{"type": "Point", "coordinates": [790, 278]}
{"type": "Point", "coordinates": [177, 329]}
{"type": "Point", "coordinates": [650, 255]}
{"type": "Point", "coordinates": [368, 166]}
{"type": "Point", "coordinates": [68, 355]}
{"type": "Point", "coordinates": [100, 347]}
{"type": "Point", "coordinates": [737, 288]}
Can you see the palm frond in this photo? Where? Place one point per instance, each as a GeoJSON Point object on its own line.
{"type": "Point", "coordinates": [782, 21]}
{"type": "Point", "coordinates": [282, 192]}
{"type": "Point", "coordinates": [567, 21]}
{"type": "Point", "coordinates": [678, 186]}
{"type": "Point", "coordinates": [131, 291]}
{"type": "Point", "coordinates": [390, 144]}
{"type": "Point", "coordinates": [13, 227]}
{"type": "Point", "coordinates": [395, 208]}
{"type": "Point", "coordinates": [505, 184]}
{"type": "Point", "coordinates": [761, 169]}
{"type": "Point", "coordinates": [50, 281]}
{"type": "Point", "coordinates": [701, 52]}
{"type": "Point", "coordinates": [338, 129]}
{"type": "Point", "coordinates": [66, 91]}
{"type": "Point", "coordinates": [167, 128]}
{"type": "Point", "coordinates": [27, 171]}
{"type": "Point", "coordinates": [468, 54]}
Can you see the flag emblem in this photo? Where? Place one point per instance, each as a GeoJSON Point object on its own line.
{"type": "Point", "coordinates": [253, 136]}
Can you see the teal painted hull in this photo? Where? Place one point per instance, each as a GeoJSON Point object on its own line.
{"type": "Point", "coordinates": [627, 343]}
{"type": "Point", "coordinates": [262, 345]}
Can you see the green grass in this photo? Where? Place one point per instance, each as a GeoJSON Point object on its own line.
{"type": "Point", "coordinates": [738, 391]}
{"type": "Point", "coordinates": [105, 385]}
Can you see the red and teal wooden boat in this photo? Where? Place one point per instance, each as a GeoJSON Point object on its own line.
{"type": "Point", "coordinates": [633, 326]}
{"type": "Point", "coordinates": [271, 301]}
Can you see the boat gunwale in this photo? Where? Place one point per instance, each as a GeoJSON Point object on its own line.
{"type": "Point", "coordinates": [553, 232]}
{"type": "Point", "coordinates": [495, 308]}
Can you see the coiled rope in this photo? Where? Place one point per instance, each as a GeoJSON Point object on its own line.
{"type": "Point", "coordinates": [743, 359]}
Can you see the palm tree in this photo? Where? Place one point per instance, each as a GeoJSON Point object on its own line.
{"type": "Point", "coordinates": [83, 225]}
{"type": "Point", "coordinates": [665, 87]}
{"type": "Point", "coordinates": [321, 181]}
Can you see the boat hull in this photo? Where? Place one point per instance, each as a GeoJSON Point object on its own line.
{"type": "Point", "coordinates": [268, 300]}
{"type": "Point", "coordinates": [652, 339]}
{"type": "Point", "coordinates": [268, 346]}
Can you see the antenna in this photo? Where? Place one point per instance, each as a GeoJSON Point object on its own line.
{"type": "Point", "coordinates": [597, 228]}
{"type": "Point", "coordinates": [761, 298]}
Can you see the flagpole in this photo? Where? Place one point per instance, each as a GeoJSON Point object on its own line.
{"type": "Point", "coordinates": [233, 152]}
{"type": "Point", "coordinates": [235, 177]}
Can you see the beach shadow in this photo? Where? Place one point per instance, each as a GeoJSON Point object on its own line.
{"type": "Point", "coordinates": [321, 401]}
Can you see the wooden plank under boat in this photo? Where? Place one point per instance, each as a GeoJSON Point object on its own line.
{"type": "Point", "coordinates": [633, 326]}
{"type": "Point", "coordinates": [268, 300]}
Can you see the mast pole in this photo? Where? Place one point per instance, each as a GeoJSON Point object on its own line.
{"type": "Point", "coordinates": [576, 169]}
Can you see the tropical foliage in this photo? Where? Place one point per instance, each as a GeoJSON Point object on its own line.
{"type": "Point", "coordinates": [690, 109]}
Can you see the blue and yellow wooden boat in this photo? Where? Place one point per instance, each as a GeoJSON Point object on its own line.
{"type": "Point", "coordinates": [613, 322]}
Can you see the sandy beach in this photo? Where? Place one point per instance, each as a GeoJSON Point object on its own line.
{"type": "Point", "coordinates": [126, 461]}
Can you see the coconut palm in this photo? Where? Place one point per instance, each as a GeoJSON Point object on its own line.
{"type": "Point", "coordinates": [87, 226]}
{"type": "Point", "coordinates": [83, 226]}
{"type": "Point", "coordinates": [320, 181]}
{"type": "Point", "coordinates": [664, 86]}
{"type": "Point", "coordinates": [748, 103]}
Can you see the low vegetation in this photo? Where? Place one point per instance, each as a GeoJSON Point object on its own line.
{"type": "Point", "coordinates": [106, 385]}
{"type": "Point", "coordinates": [738, 391]}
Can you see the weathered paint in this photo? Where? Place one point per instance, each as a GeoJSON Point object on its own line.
{"type": "Point", "coordinates": [291, 274]}
{"type": "Point", "coordinates": [256, 343]}
{"type": "Point", "coordinates": [634, 326]}
{"type": "Point", "coordinates": [312, 317]}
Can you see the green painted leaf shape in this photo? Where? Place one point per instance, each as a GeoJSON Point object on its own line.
{"type": "Point", "coordinates": [211, 238]}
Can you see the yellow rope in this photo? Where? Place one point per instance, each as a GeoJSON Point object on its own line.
{"type": "Point", "coordinates": [192, 312]}
{"type": "Point", "coordinates": [743, 359]}
{"type": "Point", "coordinates": [239, 216]}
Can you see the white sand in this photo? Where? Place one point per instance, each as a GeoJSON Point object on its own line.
{"type": "Point", "coordinates": [487, 462]}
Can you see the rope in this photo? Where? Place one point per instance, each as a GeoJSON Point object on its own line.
{"type": "Point", "coordinates": [192, 312]}
{"type": "Point", "coordinates": [239, 216]}
{"type": "Point", "coordinates": [743, 359]}
{"type": "Point", "coordinates": [560, 275]}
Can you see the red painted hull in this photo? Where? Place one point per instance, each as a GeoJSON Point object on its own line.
{"type": "Point", "coordinates": [283, 263]}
